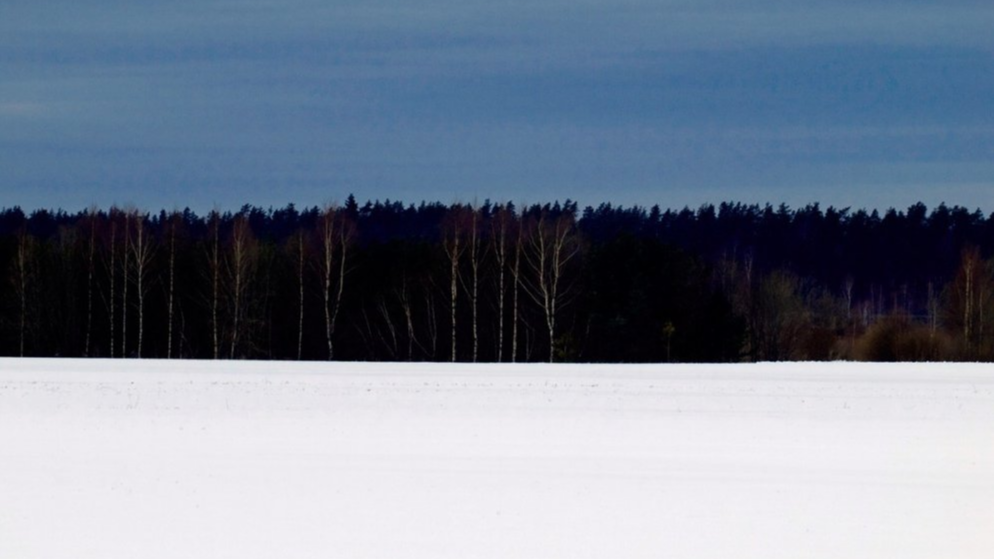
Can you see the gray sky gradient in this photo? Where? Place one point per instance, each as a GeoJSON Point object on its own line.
{"type": "Point", "coordinates": [206, 103]}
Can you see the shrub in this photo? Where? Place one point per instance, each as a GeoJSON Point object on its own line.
{"type": "Point", "coordinates": [897, 338]}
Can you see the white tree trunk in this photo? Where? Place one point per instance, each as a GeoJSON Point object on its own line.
{"type": "Point", "coordinates": [454, 249]}
{"type": "Point", "coordinates": [113, 274]}
{"type": "Point", "coordinates": [215, 280]}
{"type": "Point", "coordinates": [968, 266]}
{"type": "Point", "coordinates": [124, 287]}
{"type": "Point", "coordinates": [474, 247]}
{"type": "Point", "coordinates": [516, 286]}
{"type": "Point", "coordinates": [172, 289]}
{"type": "Point", "coordinates": [454, 277]}
{"type": "Point", "coordinates": [241, 273]}
{"type": "Point", "coordinates": [300, 285]}
{"type": "Point", "coordinates": [142, 259]}
{"type": "Point", "coordinates": [345, 239]}
{"type": "Point", "coordinates": [140, 276]}
{"type": "Point", "coordinates": [327, 234]}
{"type": "Point", "coordinates": [499, 237]}
{"type": "Point", "coordinates": [91, 214]}
{"type": "Point", "coordinates": [22, 288]}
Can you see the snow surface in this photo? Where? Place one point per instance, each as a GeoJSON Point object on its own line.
{"type": "Point", "coordinates": [116, 459]}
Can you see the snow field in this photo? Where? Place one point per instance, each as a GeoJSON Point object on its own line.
{"type": "Point", "coordinates": [259, 459]}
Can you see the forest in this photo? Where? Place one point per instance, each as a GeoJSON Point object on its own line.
{"type": "Point", "coordinates": [493, 282]}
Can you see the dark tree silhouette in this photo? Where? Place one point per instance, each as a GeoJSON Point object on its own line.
{"type": "Point", "coordinates": [385, 280]}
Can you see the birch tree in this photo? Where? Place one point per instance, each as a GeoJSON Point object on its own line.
{"type": "Point", "coordinates": [516, 283]}
{"type": "Point", "coordinates": [429, 289]}
{"type": "Point", "coordinates": [298, 248]}
{"type": "Point", "coordinates": [327, 240]}
{"type": "Point", "coordinates": [91, 221]}
{"type": "Point", "coordinates": [453, 243]}
{"type": "Point", "coordinates": [347, 234]}
{"type": "Point", "coordinates": [112, 274]}
{"type": "Point", "coordinates": [214, 265]}
{"type": "Point", "coordinates": [986, 310]}
{"type": "Point", "coordinates": [175, 219]}
{"type": "Point", "coordinates": [335, 235]}
{"type": "Point", "coordinates": [241, 267]}
{"type": "Point", "coordinates": [552, 244]}
{"type": "Point", "coordinates": [24, 265]}
{"type": "Point", "coordinates": [969, 301]}
{"type": "Point", "coordinates": [141, 250]}
{"type": "Point", "coordinates": [471, 223]}
{"type": "Point", "coordinates": [125, 277]}
{"type": "Point", "coordinates": [405, 302]}
{"type": "Point", "coordinates": [500, 224]}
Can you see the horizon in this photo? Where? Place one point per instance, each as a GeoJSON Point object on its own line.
{"type": "Point", "coordinates": [339, 203]}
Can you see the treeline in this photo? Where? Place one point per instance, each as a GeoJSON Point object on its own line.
{"type": "Point", "coordinates": [498, 283]}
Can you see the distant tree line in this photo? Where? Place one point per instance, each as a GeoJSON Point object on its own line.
{"type": "Point", "coordinates": [499, 283]}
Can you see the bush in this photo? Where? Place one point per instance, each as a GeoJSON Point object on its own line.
{"type": "Point", "coordinates": [896, 338]}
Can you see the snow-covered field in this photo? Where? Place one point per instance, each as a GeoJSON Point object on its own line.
{"type": "Point", "coordinates": [113, 459]}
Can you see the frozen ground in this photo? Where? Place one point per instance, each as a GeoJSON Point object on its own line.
{"type": "Point", "coordinates": [241, 460]}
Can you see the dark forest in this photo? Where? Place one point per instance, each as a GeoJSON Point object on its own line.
{"type": "Point", "coordinates": [499, 283]}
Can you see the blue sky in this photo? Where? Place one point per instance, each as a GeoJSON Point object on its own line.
{"type": "Point", "coordinates": [220, 103]}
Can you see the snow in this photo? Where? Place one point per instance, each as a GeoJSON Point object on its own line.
{"type": "Point", "coordinates": [125, 459]}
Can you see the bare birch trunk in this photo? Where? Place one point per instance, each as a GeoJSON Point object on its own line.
{"type": "Point", "coordinates": [848, 295]}
{"type": "Point", "coordinates": [968, 266]}
{"type": "Point", "coordinates": [454, 275]}
{"type": "Point", "coordinates": [237, 295]}
{"type": "Point", "coordinates": [499, 236]}
{"type": "Point", "coordinates": [124, 287]}
{"type": "Point", "coordinates": [142, 257]}
{"type": "Point", "coordinates": [454, 249]}
{"type": "Point", "coordinates": [300, 285]}
{"type": "Point", "coordinates": [346, 232]}
{"type": "Point", "coordinates": [981, 319]}
{"type": "Point", "coordinates": [432, 322]}
{"type": "Point", "coordinates": [541, 270]}
{"type": "Point", "coordinates": [92, 213]}
{"type": "Point", "coordinates": [327, 235]}
{"type": "Point", "coordinates": [242, 265]}
{"type": "Point", "coordinates": [474, 270]}
{"type": "Point", "coordinates": [215, 273]}
{"type": "Point", "coordinates": [408, 319]}
{"type": "Point", "coordinates": [391, 344]}
{"type": "Point", "coordinates": [140, 277]}
{"type": "Point", "coordinates": [516, 286]}
{"type": "Point", "coordinates": [172, 288]}
{"type": "Point", "coordinates": [22, 287]}
{"type": "Point", "coordinates": [113, 274]}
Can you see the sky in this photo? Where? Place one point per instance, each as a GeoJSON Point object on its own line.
{"type": "Point", "coordinates": [219, 103]}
